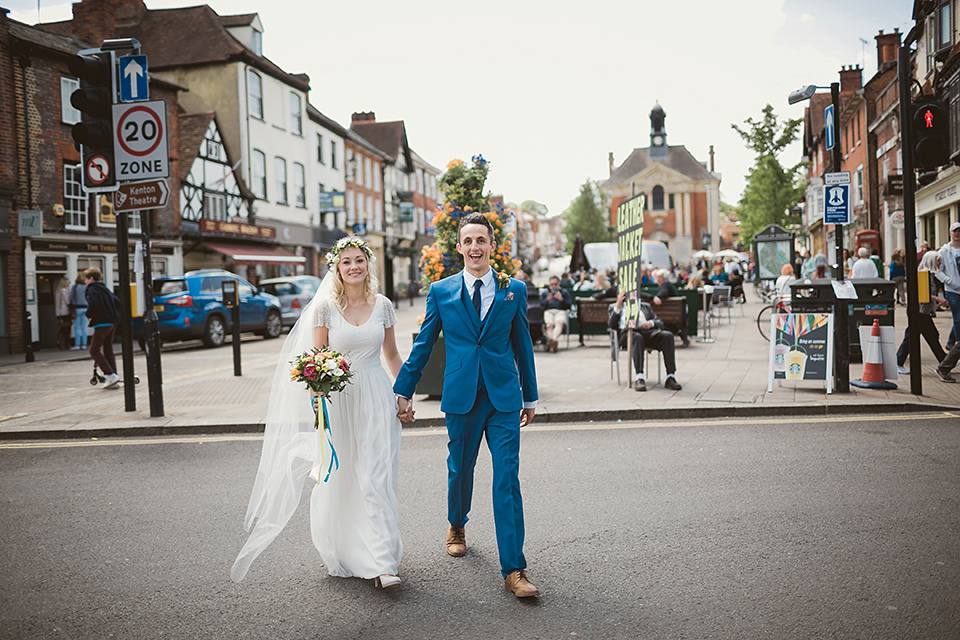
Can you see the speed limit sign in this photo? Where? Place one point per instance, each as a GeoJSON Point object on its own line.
{"type": "Point", "coordinates": [140, 140]}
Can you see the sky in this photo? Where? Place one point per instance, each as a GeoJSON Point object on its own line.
{"type": "Point", "coordinates": [545, 90]}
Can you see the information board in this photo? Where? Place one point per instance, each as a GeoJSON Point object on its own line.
{"type": "Point", "coordinates": [801, 348]}
{"type": "Point", "coordinates": [629, 249]}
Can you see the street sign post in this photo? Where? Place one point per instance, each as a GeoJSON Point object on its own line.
{"type": "Point", "coordinates": [836, 208]}
{"type": "Point", "coordinates": [829, 129]}
{"type": "Point", "coordinates": [133, 78]}
{"type": "Point", "coordinates": [140, 140]}
{"type": "Point", "coordinates": [132, 196]}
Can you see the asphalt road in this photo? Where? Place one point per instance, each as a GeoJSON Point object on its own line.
{"type": "Point", "coordinates": [846, 528]}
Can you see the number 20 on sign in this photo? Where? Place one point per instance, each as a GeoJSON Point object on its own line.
{"type": "Point", "coordinates": [140, 140]}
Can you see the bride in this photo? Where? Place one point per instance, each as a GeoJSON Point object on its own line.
{"type": "Point", "coordinates": [353, 514]}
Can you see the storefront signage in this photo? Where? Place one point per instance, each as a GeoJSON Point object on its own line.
{"type": "Point", "coordinates": [801, 348]}
{"type": "Point", "coordinates": [30, 223]}
{"type": "Point", "coordinates": [946, 193]}
{"type": "Point", "coordinates": [238, 228]}
{"type": "Point", "coordinates": [51, 263]}
{"type": "Point", "coordinates": [332, 201]}
{"type": "Point", "coordinates": [90, 247]}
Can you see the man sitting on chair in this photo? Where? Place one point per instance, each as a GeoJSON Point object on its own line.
{"type": "Point", "coordinates": [667, 290]}
{"type": "Point", "coordinates": [556, 303]}
{"type": "Point", "coordinates": [648, 334]}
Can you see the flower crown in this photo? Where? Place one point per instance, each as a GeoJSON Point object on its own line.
{"type": "Point", "coordinates": [333, 256]}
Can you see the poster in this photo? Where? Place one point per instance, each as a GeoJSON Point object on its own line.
{"type": "Point", "coordinates": [629, 249]}
{"type": "Point", "coordinates": [801, 348]}
{"type": "Point", "coordinates": [771, 256]}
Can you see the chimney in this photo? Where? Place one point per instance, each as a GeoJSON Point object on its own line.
{"type": "Point", "coordinates": [130, 11]}
{"type": "Point", "coordinates": [610, 160]}
{"type": "Point", "coordinates": [851, 78]}
{"type": "Point", "coordinates": [711, 158]}
{"type": "Point", "coordinates": [93, 21]}
{"type": "Point", "coordinates": [887, 46]}
{"type": "Point", "coordinates": [363, 116]}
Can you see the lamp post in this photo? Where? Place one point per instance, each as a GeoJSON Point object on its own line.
{"type": "Point", "coordinates": [842, 358]}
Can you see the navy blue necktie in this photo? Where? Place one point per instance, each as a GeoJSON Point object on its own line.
{"type": "Point", "coordinates": [476, 295]}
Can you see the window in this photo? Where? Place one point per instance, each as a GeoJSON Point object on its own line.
{"type": "Point", "coordinates": [257, 42]}
{"type": "Point", "coordinates": [296, 114]}
{"type": "Point", "coordinates": [951, 95]}
{"type": "Point", "coordinates": [367, 182]}
{"type": "Point", "coordinates": [376, 176]}
{"type": "Point", "coordinates": [320, 148]}
{"type": "Point", "coordinates": [214, 206]}
{"type": "Point", "coordinates": [943, 26]}
{"type": "Point", "coordinates": [255, 98]}
{"type": "Point", "coordinates": [68, 114]}
{"type": "Point", "coordinates": [299, 186]}
{"type": "Point", "coordinates": [658, 198]}
{"type": "Point", "coordinates": [74, 199]}
{"type": "Point", "coordinates": [670, 202]}
{"type": "Point", "coordinates": [280, 175]}
{"type": "Point", "coordinates": [858, 185]}
{"type": "Point", "coordinates": [258, 181]}
{"type": "Point", "coordinates": [333, 154]}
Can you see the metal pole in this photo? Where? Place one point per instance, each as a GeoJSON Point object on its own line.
{"type": "Point", "coordinates": [909, 220]}
{"type": "Point", "coordinates": [126, 331]}
{"type": "Point", "coordinates": [235, 319]}
{"type": "Point", "coordinates": [842, 358]}
{"type": "Point", "coordinates": [151, 327]}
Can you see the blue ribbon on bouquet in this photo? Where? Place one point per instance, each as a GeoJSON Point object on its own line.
{"type": "Point", "coordinates": [327, 428]}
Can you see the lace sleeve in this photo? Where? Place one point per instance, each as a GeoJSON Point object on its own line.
{"type": "Point", "coordinates": [389, 316]}
{"type": "Point", "coordinates": [323, 314]}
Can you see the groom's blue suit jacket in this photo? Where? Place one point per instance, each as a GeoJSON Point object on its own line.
{"type": "Point", "coordinates": [500, 349]}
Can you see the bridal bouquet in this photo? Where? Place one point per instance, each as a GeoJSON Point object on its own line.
{"type": "Point", "coordinates": [322, 371]}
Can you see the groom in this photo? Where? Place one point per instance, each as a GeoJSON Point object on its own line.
{"type": "Point", "coordinates": [489, 388]}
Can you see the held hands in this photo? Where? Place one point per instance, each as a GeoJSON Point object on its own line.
{"type": "Point", "coordinates": [526, 417]}
{"type": "Point", "coordinates": [405, 407]}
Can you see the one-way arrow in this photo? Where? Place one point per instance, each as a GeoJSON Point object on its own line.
{"type": "Point", "coordinates": [133, 71]}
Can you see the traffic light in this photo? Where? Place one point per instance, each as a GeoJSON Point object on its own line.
{"type": "Point", "coordinates": [94, 133]}
{"type": "Point", "coordinates": [931, 135]}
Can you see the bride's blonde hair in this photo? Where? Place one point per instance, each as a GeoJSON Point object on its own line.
{"type": "Point", "coordinates": [371, 284]}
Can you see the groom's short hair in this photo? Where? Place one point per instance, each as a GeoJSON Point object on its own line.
{"type": "Point", "coordinates": [475, 218]}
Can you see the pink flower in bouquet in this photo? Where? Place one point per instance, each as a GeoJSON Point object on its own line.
{"type": "Point", "coordinates": [310, 371]}
{"type": "Point", "coordinates": [343, 365]}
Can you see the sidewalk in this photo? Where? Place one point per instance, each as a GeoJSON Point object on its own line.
{"type": "Point", "coordinates": [52, 397]}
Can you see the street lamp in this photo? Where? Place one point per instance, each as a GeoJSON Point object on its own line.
{"type": "Point", "coordinates": [842, 375]}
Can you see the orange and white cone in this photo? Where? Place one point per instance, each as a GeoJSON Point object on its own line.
{"type": "Point", "coordinates": [873, 377]}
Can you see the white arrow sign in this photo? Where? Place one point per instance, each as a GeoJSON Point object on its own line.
{"type": "Point", "coordinates": [134, 84]}
{"type": "Point", "coordinates": [133, 73]}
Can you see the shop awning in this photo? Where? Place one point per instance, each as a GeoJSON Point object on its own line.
{"type": "Point", "coordinates": [253, 254]}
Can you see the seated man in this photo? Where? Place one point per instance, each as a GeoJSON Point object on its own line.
{"type": "Point", "coordinates": [556, 303]}
{"type": "Point", "coordinates": [648, 334]}
{"type": "Point", "coordinates": [667, 290]}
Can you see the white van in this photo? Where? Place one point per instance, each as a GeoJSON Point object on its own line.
{"type": "Point", "coordinates": [603, 255]}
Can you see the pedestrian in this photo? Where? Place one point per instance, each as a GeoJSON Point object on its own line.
{"type": "Point", "coordinates": [820, 265]}
{"type": "Point", "coordinates": [877, 262]}
{"type": "Point", "coordinates": [949, 275]}
{"type": "Point", "coordinates": [489, 389]}
{"type": "Point", "coordinates": [78, 302]}
{"type": "Point", "coordinates": [61, 300]}
{"type": "Point", "coordinates": [783, 282]}
{"type": "Point", "coordinates": [929, 266]}
{"type": "Point", "coordinates": [864, 267]}
{"type": "Point", "coordinates": [353, 511]}
{"type": "Point", "coordinates": [648, 333]}
{"type": "Point", "coordinates": [556, 303]}
{"type": "Point", "coordinates": [666, 290]}
{"type": "Point", "coordinates": [898, 274]}
{"type": "Point", "coordinates": [924, 247]}
{"type": "Point", "coordinates": [103, 313]}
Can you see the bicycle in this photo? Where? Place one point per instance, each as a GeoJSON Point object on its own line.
{"type": "Point", "coordinates": [763, 318]}
{"type": "Point", "coordinates": [766, 290]}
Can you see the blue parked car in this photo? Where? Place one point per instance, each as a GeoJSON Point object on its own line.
{"type": "Point", "coordinates": [191, 306]}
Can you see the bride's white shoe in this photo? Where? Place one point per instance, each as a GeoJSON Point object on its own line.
{"type": "Point", "coordinates": [387, 581]}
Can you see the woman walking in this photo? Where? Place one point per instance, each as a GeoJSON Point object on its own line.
{"type": "Point", "coordinates": [78, 303]}
{"type": "Point", "coordinates": [929, 265]}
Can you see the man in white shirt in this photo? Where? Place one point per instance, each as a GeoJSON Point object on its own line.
{"type": "Point", "coordinates": [864, 267]}
{"type": "Point", "coordinates": [949, 275]}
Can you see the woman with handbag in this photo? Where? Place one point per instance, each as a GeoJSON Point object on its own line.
{"type": "Point", "coordinates": [61, 301]}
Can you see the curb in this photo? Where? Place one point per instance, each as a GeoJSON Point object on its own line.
{"type": "Point", "coordinates": [561, 417]}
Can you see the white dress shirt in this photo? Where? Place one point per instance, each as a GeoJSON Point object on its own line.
{"type": "Point", "coordinates": [487, 290]}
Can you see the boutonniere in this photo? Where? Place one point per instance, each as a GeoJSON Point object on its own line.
{"type": "Point", "coordinates": [503, 280]}
{"type": "Point", "coordinates": [509, 296]}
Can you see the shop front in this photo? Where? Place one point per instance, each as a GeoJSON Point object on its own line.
{"type": "Point", "coordinates": [248, 250]}
{"type": "Point", "coordinates": [48, 262]}
{"type": "Point", "coordinates": [937, 206]}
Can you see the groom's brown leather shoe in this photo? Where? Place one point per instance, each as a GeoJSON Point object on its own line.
{"type": "Point", "coordinates": [517, 583]}
{"type": "Point", "coordinates": [456, 541]}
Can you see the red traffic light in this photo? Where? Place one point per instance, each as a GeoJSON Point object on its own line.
{"type": "Point", "coordinates": [931, 135]}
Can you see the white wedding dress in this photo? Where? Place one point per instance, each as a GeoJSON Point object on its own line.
{"type": "Point", "coordinates": [353, 515]}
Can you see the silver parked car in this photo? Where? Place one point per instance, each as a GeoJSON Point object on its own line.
{"type": "Point", "coordinates": [294, 292]}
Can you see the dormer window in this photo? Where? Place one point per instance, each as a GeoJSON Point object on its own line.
{"type": "Point", "coordinates": [257, 42]}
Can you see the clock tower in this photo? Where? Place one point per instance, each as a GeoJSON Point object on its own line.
{"type": "Point", "coordinates": [658, 132]}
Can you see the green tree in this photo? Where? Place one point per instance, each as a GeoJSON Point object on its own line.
{"type": "Point", "coordinates": [771, 188]}
{"type": "Point", "coordinates": [587, 216]}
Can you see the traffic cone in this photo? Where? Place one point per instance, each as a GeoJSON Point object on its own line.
{"type": "Point", "coordinates": [873, 377]}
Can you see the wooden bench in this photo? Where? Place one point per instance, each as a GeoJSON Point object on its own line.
{"type": "Point", "coordinates": [673, 312]}
{"type": "Point", "coordinates": [591, 313]}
